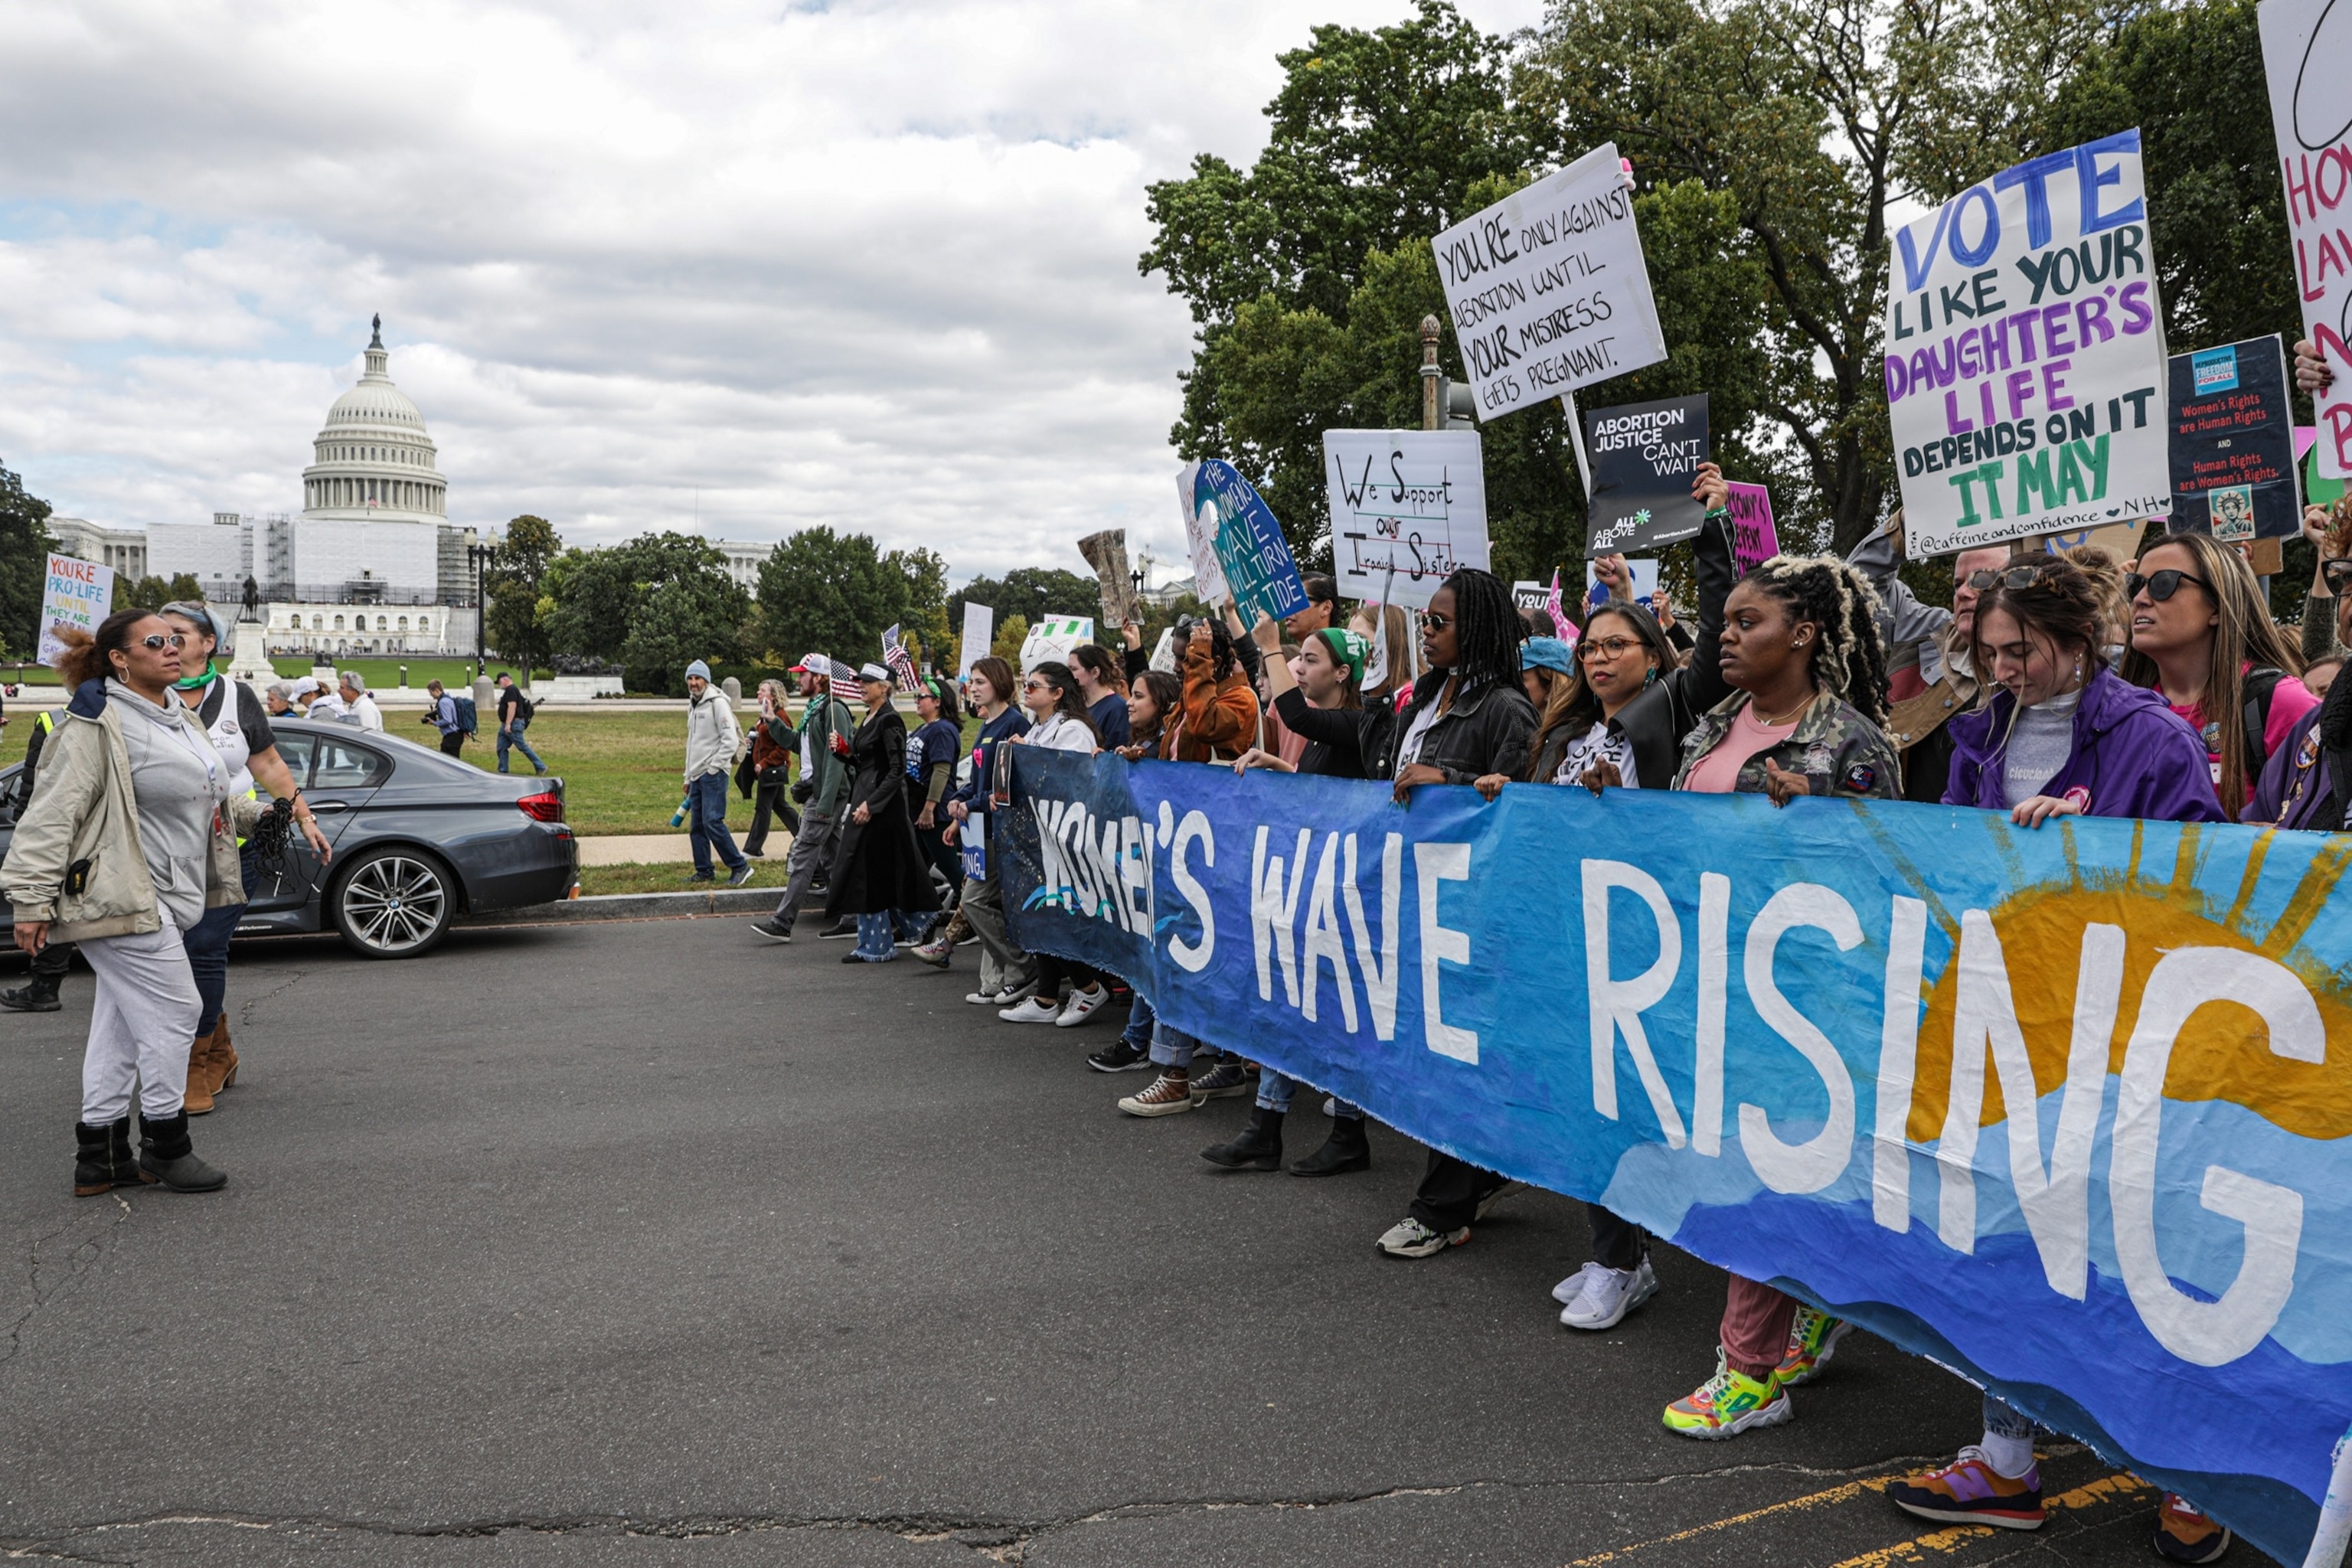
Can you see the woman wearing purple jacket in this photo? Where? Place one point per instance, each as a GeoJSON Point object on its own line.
{"type": "Point", "coordinates": [2063, 736]}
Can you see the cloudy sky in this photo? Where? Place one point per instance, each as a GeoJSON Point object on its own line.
{"type": "Point", "coordinates": [869, 263]}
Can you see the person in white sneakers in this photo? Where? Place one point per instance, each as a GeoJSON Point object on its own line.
{"type": "Point", "coordinates": [1057, 709]}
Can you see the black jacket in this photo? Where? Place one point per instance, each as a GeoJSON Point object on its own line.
{"type": "Point", "coordinates": [1341, 742]}
{"type": "Point", "coordinates": [1657, 721]}
{"type": "Point", "coordinates": [878, 865]}
{"type": "Point", "coordinates": [1485, 731]}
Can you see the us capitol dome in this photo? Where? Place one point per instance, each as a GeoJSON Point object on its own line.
{"type": "Point", "coordinates": [374, 458]}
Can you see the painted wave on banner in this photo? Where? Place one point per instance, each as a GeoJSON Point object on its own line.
{"type": "Point", "coordinates": [2124, 1203]}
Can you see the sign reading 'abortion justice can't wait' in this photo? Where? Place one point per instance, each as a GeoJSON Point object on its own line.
{"type": "Point", "coordinates": [2025, 358]}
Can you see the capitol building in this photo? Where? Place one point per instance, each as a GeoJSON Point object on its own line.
{"type": "Point", "coordinates": [370, 565]}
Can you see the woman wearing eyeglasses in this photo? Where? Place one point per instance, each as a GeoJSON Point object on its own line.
{"type": "Point", "coordinates": [130, 836]}
{"type": "Point", "coordinates": [1618, 722]}
{"type": "Point", "coordinates": [1060, 723]}
{"type": "Point", "coordinates": [2203, 636]}
{"type": "Point", "coordinates": [2062, 736]}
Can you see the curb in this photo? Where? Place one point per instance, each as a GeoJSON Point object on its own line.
{"type": "Point", "coordinates": [638, 906]}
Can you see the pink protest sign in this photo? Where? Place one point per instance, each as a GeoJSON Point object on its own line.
{"type": "Point", "coordinates": [1753, 541]}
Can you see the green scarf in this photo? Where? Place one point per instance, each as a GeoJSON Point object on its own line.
{"type": "Point", "coordinates": [190, 682]}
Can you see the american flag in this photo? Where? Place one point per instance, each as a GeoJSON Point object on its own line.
{"type": "Point", "coordinates": [894, 655]}
{"type": "Point", "coordinates": [845, 682]}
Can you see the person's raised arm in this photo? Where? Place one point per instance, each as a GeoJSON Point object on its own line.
{"type": "Point", "coordinates": [1267, 635]}
{"type": "Point", "coordinates": [1701, 675]}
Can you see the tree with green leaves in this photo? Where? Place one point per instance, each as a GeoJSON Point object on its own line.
{"type": "Point", "coordinates": [833, 594]}
{"type": "Point", "coordinates": [25, 546]}
{"type": "Point", "coordinates": [595, 593]}
{"type": "Point", "coordinates": [695, 614]}
{"type": "Point", "coordinates": [1032, 592]}
{"type": "Point", "coordinates": [925, 620]}
{"type": "Point", "coordinates": [513, 586]}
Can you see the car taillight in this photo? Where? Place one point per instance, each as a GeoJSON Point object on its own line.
{"type": "Point", "coordinates": [546, 807]}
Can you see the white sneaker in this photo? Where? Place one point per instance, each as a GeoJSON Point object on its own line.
{"type": "Point", "coordinates": [1082, 1005]}
{"type": "Point", "coordinates": [986, 999]}
{"type": "Point", "coordinates": [1606, 1295]}
{"type": "Point", "coordinates": [1036, 1010]}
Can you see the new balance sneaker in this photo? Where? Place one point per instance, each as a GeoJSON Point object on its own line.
{"type": "Point", "coordinates": [1120, 1057]}
{"type": "Point", "coordinates": [1169, 1094]}
{"type": "Point", "coordinates": [1034, 1010]}
{"type": "Point", "coordinates": [1410, 1238]}
{"type": "Point", "coordinates": [1969, 1490]}
{"type": "Point", "coordinates": [1812, 1339]}
{"type": "Point", "coordinates": [1596, 1298]}
{"type": "Point", "coordinates": [1082, 1005]}
{"type": "Point", "coordinates": [1728, 1404]}
{"type": "Point", "coordinates": [1223, 1081]}
{"type": "Point", "coordinates": [2185, 1535]}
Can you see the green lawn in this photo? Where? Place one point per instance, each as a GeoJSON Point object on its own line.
{"type": "Point", "coordinates": [380, 674]}
{"type": "Point", "coordinates": [597, 880]}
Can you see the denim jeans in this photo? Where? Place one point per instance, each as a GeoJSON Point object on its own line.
{"type": "Point", "coordinates": [1136, 1036]}
{"type": "Point", "coordinates": [874, 943]}
{"type": "Point", "coordinates": [1274, 1092]}
{"type": "Point", "coordinates": [2003, 1422]}
{"type": "Point", "coordinates": [513, 737]}
{"type": "Point", "coordinates": [1171, 1047]}
{"type": "Point", "coordinates": [706, 822]}
{"type": "Point", "coordinates": [207, 945]}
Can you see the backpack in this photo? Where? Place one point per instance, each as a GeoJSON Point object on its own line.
{"type": "Point", "coordinates": [2262, 684]}
{"type": "Point", "coordinates": [466, 719]}
{"type": "Point", "coordinates": [523, 708]}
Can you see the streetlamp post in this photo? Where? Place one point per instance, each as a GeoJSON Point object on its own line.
{"type": "Point", "coordinates": [480, 555]}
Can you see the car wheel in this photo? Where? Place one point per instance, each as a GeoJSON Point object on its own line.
{"type": "Point", "coordinates": [395, 903]}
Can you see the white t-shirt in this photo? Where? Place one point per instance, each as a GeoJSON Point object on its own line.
{"type": "Point", "coordinates": [1060, 732]}
{"type": "Point", "coordinates": [1597, 745]}
{"type": "Point", "coordinates": [1409, 752]}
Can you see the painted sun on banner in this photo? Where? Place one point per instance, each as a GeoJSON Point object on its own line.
{"type": "Point", "coordinates": [2025, 359]}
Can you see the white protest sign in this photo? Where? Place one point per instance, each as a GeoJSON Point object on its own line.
{"type": "Point", "coordinates": [1201, 538]}
{"type": "Point", "coordinates": [2025, 365]}
{"type": "Point", "coordinates": [1415, 500]}
{"type": "Point", "coordinates": [1053, 639]}
{"type": "Point", "coordinates": [2310, 72]}
{"type": "Point", "coordinates": [79, 594]}
{"type": "Point", "coordinates": [979, 635]}
{"type": "Point", "coordinates": [1547, 289]}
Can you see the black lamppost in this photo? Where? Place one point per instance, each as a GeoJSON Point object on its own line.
{"type": "Point", "coordinates": [480, 555]}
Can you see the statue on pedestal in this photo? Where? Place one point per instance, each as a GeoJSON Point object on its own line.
{"type": "Point", "coordinates": [252, 611]}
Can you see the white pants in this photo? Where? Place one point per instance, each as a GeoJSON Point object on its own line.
{"type": "Point", "coordinates": [142, 1026]}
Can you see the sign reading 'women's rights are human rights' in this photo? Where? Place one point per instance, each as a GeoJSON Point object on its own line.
{"type": "Point", "coordinates": [1548, 288]}
{"type": "Point", "coordinates": [2025, 358]}
{"type": "Point", "coordinates": [2066, 1111]}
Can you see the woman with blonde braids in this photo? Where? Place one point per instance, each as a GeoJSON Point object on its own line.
{"type": "Point", "coordinates": [1800, 649]}
{"type": "Point", "coordinates": [2202, 637]}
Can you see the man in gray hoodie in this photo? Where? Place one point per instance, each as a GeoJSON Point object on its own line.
{"type": "Point", "coordinates": [712, 737]}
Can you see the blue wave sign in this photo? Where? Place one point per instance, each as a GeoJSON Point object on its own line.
{"type": "Point", "coordinates": [2069, 1111]}
{"type": "Point", "coordinates": [1251, 551]}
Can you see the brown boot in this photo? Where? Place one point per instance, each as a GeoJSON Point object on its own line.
{"type": "Point", "coordinates": [198, 1098]}
{"type": "Point", "coordinates": [224, 1058]}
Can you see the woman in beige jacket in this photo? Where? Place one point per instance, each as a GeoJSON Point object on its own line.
{"type": "Point", "coordinates": [130, 834]}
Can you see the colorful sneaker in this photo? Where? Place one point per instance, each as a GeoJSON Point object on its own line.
{"type": "Point", "coordinates": [1969, 1490]}
{"type": "Point", "coordinates": [1728, 1404]}
{"type": "Point", "coordinates": [1223, 1081]}
{"type": "Point", "coordinates": [2185, 1535]}
{"type": "Point", "coordinates": [1410, 1238]}
{"type": "Point", "coordinates": [1812, 1339]}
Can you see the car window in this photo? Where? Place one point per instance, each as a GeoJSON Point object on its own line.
{"type": "Point", "coordinates": [342, 766]}
{"type": "Point", "coordinates": [295, 752]}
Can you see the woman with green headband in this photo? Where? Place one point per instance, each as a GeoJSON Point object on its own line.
{"type": "Point", "coordinates": [1318, 695]}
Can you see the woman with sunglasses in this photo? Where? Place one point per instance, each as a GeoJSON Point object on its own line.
{"type": "Point", "coordinates": [1059, 723]}
{"type": "Point", "coordinates": [1319, 697]}
{"type": "Point", "coordinates": [129, 837]}
{"type": "Point", "coordinates": [1801, 652]}
{"type": "Point", "coordinates": [2062, 736]}
{"type": "Point", "coordinates": [2203, 636]}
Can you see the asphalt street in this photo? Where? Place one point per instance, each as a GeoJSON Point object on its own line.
{"type": "Point", "coordinates": [650, 1244]}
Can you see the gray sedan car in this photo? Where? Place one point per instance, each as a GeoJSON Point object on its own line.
{"type": "Point", "coordinates": [420, 840]}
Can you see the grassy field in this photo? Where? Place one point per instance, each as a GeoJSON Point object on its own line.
{"type": "Point", "coordinates": [379, 673]}
{"type": "Point", "coordinates": [597, 880]}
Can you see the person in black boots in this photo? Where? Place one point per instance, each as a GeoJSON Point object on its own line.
{"type": "Point", "coordinates": [130, 836]}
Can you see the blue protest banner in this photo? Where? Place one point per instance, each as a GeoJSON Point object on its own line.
{"type": "Point", "coordinates": [1250, 548]}
{"type": "Point", "coordinates": [2055, 1107]}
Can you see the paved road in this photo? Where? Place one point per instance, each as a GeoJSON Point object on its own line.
{"type": "Point", "coordinates": [647, 1243]}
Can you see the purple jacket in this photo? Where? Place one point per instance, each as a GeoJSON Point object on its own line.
{"type": "Point", "coordinates": [2298, 782]}
{"type": "Point", "coordinates": [2135, 756]}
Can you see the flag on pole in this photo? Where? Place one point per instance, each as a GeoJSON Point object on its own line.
{"type": "Point", "coordinates": [894, 655]}
{"type": "Point", "coordinates": [843, 680]}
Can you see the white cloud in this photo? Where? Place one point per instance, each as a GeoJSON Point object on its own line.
{"type": "Point", "coordinates": [871, 264]}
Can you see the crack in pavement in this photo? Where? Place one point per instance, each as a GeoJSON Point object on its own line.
{"type": "Point", "coordinates": [77, 1263]}
{"type": "Point", "coordinates": [244, 1008]}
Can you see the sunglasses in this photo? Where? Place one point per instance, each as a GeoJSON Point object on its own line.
{"type": "Point", "coordinates": [1434, 621]}
{"type": "Point", "coordinates": [2012, 577]}
{"type": "Point", "coordinates": [157, 642]}
{"type": "Point", "coordinates": [2162, 586]}
{"type": "Point", "coordinates": [2336, 572]}
{"type": "Point", "coordinates": [1613, 648]}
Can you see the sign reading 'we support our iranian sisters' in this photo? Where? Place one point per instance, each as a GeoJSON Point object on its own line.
{"type": "Point", "coordinates": [2025, 359]}
{"type": "Point", "coordinates": [2068, 1110]}
{"type": "Point", "coordinates": [1548, 288]}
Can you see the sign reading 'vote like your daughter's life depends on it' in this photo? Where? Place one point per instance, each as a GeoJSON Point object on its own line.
{"type": "Point", "coordinates": [2025, 357]}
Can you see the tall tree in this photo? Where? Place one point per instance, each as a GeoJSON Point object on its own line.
{"type": "Point", "coordinates": [1032, 592]}
{"type": "Point", "coordinates": [695, 614]}
{"type": "Point", "coordinates": [25, 546]}
{"type": "Point", "coordinates": [831, 594]}
{"type": "Point", "coordinates": [512, 620]}
{"type": "Point", "coordinates": [596, 593]}
{"type": "Point", "coordinates": [1810, 116]}
{"type": "Point", "coordinates": [925, 617]}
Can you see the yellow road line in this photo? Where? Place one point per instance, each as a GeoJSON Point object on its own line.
{"type": "Point", "coordinates": [1912, 1551]}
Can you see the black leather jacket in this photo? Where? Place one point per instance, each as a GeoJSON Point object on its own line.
{"type": "Point", "coordinates": [1485, 731]}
